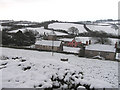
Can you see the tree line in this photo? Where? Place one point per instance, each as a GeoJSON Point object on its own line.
{"type": "Point", "coordinates": [19, 38]}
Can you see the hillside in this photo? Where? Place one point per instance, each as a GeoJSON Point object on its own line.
{"type": "Point", "coordinates": [34, 69]}
{"type": "Point", "coordinates": [61, 28]}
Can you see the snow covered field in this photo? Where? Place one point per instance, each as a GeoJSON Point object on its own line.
{"type": "Point", "coordinates": [66, 26]}
{"type": "Point", "coordinates": [28, 69]}
{"type": "Point", "coordinates": [107, 29]}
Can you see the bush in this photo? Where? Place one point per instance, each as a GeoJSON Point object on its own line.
{"type": "Point", "coordinates": [4, 57]}
{"type": "Point", "coordinates": [73, 30]}
{"type": "Point", "coordinates": [101, 40]}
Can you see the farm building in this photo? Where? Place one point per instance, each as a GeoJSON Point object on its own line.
{"type": "Point", "coordinates": [76, 42]}
{"type": "Point", "coordinates": [49, 45]}
{"type": "Point", "coordinates": [50, 36]}
{"type": "Point", "coordinates": [66, 40]}
{"type": "Point", "coordinates": [105, 51]}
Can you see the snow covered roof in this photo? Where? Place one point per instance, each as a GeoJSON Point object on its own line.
{"type": "Point", "coordinates": [100, 47]}
{"type": "Point", "coordinates": [71, 49]}
{"type": "Point", "coordinates": [118, 56]}
{"type": "Point", "coordinates": [48, 43]}
{"type": "Point", "coordinates": [82, 39]}
{"type": "Point", "coordinates": [66, 39]}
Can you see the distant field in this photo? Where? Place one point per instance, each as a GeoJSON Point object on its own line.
{"type": "Point", "coordinates": [66, 26]}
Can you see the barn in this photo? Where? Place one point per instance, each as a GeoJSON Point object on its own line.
{"type": "Point", "coordinates": [49, 45]}
{"type": "Point", "coordinates": [108, 52]}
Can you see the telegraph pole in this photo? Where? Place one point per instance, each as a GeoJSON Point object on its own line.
{"type": "Point", "coordinates": [52, 47]}
{"type": "Point", "coordinates": [0, 34]}
{"type": "Point", "coordinates": [52, 43]}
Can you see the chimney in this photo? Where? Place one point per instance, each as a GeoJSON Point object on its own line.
{"type": "Point", "coordinates": [86, 42]}
{"type": "Point", "coordinates": [89, 41]}
{"type": "Point", "coordinates": [116, 45]}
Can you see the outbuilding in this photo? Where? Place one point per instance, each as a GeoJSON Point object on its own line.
{"type": "Point", "coordinates": [49, 45]}
{"type": "Point", "coordinates": [105, 51]}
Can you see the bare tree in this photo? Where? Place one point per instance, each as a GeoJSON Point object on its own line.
{"type": "Point", "coordinates": [73, 30]}
{"type": "Point", "coordinates": [34, 32]}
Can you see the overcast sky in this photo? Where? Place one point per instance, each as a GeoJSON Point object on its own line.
{"type": "Point", "coordinates": [64, 10]}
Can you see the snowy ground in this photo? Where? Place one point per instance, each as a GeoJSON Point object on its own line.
{"type": "Point", "coordinates": [28, 69]}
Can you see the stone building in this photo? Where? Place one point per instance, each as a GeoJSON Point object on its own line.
{"type": "Point", "coordinates": [105, 51]}
{"type": "Point", "coordinates": [49, 45]}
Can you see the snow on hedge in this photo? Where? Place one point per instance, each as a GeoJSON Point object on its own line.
{"type": "Point", "coordinates": [35, 69]}
{"type": "Point", "coordinates": [66, 26]}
